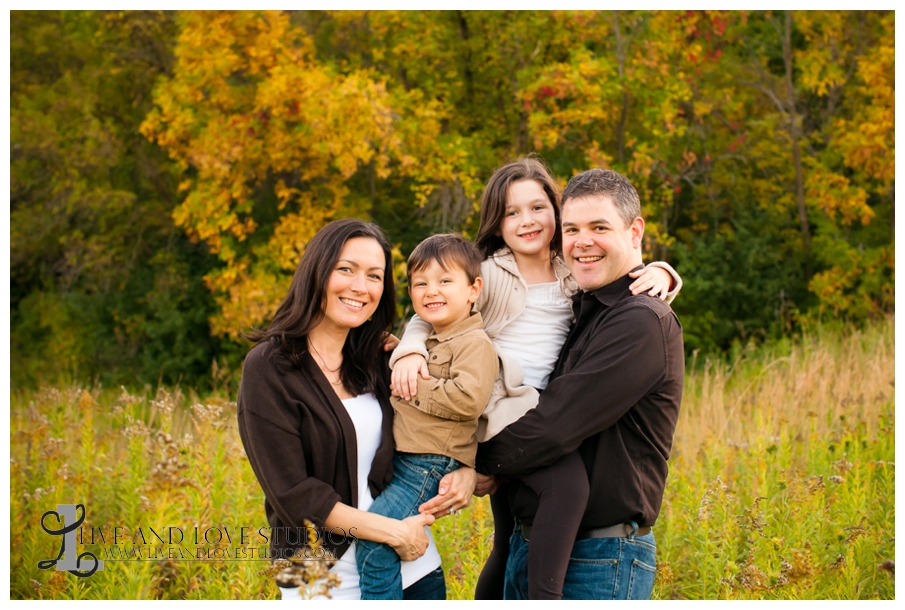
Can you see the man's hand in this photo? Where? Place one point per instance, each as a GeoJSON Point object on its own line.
{"type": "Point", "coordinates": [655, 280]}
{"type": "Point", "coordinates": [486, 485]}
{"type": "Point", "coordinates": [404, 380]}
{"type": "Point", "coordinates": [453, 495]}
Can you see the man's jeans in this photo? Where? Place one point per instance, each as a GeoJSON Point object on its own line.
{"type": "Point", "coordinates": [416, 478]}
{"type": "Point", "coordinates": [599, 568]}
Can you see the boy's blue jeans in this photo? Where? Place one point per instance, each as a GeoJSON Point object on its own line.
{"type": "Point", "coordinates": [416, 478]}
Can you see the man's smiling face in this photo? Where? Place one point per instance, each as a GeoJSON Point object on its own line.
{"type": "Point", "coordinates": [598, 247]}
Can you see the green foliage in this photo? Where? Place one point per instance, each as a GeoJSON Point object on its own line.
{"type": "Point", "coordinates": [103, 284]}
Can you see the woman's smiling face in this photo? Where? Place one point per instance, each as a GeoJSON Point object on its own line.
{"type": "Point", "coordinates": [355, 285]}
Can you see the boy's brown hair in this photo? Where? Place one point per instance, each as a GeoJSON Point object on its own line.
{"type": "Point", "coordinates": [448, 249]}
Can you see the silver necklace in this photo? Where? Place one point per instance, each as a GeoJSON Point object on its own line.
{"type": "Point", "coordinates": [324, 360]}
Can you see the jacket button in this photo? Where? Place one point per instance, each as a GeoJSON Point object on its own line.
{"type": "Point", "coordinates": [434, 357]}
{"type": "Point", "coordinates": [417, 403]}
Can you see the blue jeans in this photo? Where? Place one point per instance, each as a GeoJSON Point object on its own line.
{"type": "Point", "coordinates": [599, 568]}
{"type": "Point", "coordinates": [416, 478]}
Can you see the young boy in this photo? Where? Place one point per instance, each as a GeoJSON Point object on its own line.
{"type": "Point", "coordinates": [435, 430]}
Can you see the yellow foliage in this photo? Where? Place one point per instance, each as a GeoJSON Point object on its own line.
{"type": "Point", "coordinates": [836, 196]}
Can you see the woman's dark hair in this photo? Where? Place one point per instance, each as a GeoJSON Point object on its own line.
{"type": "Point", "coordinates": [303, 307]}
{"type": "Point", "coordinates": [493, 202]}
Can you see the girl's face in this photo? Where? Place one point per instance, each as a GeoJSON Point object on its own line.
{"type": "Point", "coordinates": [355, 285]}
{"type": "Point", "coordinates": [529, 222]}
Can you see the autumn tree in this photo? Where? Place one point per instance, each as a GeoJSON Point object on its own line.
{"type": "Point", "coordinates": [761, 143]}
{"type": "Point", "coordinates": [102, 282]}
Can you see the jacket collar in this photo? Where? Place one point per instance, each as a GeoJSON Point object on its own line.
{"type": "Point", "coordinates": [506, 259]}
{"type": "Point", "coordinates": [472, 322]}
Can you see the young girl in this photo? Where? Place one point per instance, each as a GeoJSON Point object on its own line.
{"type": "Point", "coordinates": [526, 307]}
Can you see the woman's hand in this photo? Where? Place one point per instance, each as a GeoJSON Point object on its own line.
{"type": "Point", "coordinates": [654, 280]}
{"type": "Point", "coordinates": [404, 380]}
{"type": "Point", "coordinates": [409, 540]}
{"type": "Point", "coordinates": [453, 495]}
{"type": "Point", "coordinates": [390, 341]}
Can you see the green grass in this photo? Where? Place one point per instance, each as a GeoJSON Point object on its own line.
{"type": "Point", "coordinates": [781, 485]}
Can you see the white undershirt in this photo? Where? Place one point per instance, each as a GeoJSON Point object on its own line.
{"type": "Point", "coordinates": [364, 410]}
{"type": "Point", "coordinates": [535, 337]}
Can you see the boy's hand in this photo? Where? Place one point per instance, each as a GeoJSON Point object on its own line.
{"type": "Point", "coordinates": [453, 495]}
{"type": "Point", "coordinates": [390, 342]}
{"type": "Point", "coordinates": [404, 380]}
{"type": "Point", "coordinates": [656, 281]}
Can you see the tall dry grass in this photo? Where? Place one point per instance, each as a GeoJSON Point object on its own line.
{"type": "Point", "coordinates": [782, 482]}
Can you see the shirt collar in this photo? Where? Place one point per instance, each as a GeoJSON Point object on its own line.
{"type": "Point", "coordinates": [472, 322]}
{"type": "Point", "coordinates": [615, 290]}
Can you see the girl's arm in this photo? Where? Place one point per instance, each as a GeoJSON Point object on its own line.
{"type": "Point", "coordinates": [658, 279]}
{"type": "Point", "coordinates": [409, 359]}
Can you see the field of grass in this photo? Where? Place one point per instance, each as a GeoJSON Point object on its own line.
{"type": "Point", "coordinates": [781, 485]}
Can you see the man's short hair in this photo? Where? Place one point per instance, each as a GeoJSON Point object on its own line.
{"type": "Point", "coordinates": [606, 183]}
{"type": "Point", "coordinates": [447, 249]}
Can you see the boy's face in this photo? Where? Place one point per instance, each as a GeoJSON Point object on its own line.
{"type": "Point", "coordinates": [443, 298]}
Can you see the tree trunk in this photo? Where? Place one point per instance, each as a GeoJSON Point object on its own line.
{"type": "Point", "coordinates": [795, 135]}
{"type": "Point", "coordinates": [623, 113]}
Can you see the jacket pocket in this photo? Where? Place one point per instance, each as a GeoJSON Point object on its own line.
{"type": "Point", "coordinates": [438, 362]}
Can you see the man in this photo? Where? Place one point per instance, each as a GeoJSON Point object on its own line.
{"type": "Point", "coordinates": [614, 397]}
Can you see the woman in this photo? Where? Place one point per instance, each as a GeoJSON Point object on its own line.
{"type": "Point", "coordinates": [315, 418]}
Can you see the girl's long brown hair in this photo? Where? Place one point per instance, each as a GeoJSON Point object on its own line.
{"type": "Point", "coordinates": [493, 202]}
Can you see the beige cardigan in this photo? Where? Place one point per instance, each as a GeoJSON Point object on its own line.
{"type": "Point", "coordinates": [502, 299]}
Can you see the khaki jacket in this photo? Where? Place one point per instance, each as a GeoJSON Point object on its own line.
{"type": "Point", "coordinates": [443, 417]}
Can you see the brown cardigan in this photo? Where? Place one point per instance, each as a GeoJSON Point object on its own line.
{"type": "Point", "coordinates": [301, 444]}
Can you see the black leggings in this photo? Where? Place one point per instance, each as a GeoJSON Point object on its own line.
{"type": "Point", "coordinates": [562, 490]}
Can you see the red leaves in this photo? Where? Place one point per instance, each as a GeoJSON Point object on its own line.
{"type": "Point", "coordinates": [546, 91]}
{"type": "Point", "coordinates": [719, 25]}
{"type": "Point", "coordinates": [738, 141]}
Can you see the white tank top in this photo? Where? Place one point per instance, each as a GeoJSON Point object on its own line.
{"type": "Point", "coordinates": [368, 418]}
{"type": "Point", "coordinates": [535, 337]}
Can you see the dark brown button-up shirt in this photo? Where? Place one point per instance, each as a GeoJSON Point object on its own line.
{"type": "Point", "coordinates": [614, 397]}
